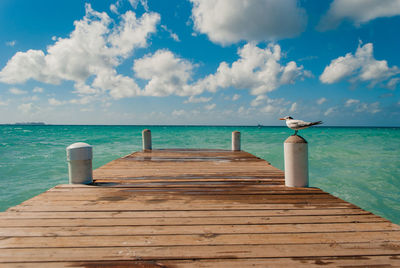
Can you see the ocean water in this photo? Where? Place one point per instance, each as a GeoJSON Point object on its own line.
{"type": "Point", "coordinates": [359, 165]}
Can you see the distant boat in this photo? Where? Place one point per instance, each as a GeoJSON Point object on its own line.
{"type": "Point", "coordinates": [259, 126]}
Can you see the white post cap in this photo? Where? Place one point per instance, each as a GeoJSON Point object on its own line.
{"type": "Point", "coordinates": [79, 151]}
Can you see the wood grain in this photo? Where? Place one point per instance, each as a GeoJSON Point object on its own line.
{"type": "Point", "coordinates": [193, 208]}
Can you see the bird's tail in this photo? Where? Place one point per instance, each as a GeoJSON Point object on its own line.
{"type": "Point", "coordinates": [316, 123]}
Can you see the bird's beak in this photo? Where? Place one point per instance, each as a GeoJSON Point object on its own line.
{"type": "Point", "coordinates": [282, 119]}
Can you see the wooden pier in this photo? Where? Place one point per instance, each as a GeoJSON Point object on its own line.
{"type": "Point", "coordinates": [193, 208]}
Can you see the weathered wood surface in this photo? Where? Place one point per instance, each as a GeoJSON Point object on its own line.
{"type": "Point", "coordinates": [193, 208]}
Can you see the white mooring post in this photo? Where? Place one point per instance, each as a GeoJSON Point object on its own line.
{"type": "Point", "coordinates": [235, 141]}
{"type": "Point", "coordinates": [296, 161]}
{"type": "Point", "coordinates": [146, 138]}
{"type": "Point", "coordinates": [79, 157]}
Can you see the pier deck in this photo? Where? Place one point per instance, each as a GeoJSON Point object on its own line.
{"type": "Point", "coordinates": [193, 208]}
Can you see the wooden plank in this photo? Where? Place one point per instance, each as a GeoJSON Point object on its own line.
{"type": "Point", "coordinates": [343, 261]}
{"type": "Point", "coordinates": [108, 206]}
{"type": "Point", "coordinates": [200, 252]}
{"type": "Point", "coordinates": [203, 239]}
{"type": "Point", "coordinates": [181, 214]}
{"type": "Point", "coordinates": [198, 229]}
{"type": "Point", "coordinates": [188, 221]}
{"type": "Point", "coordinates": [302, 262]}
{"type": "Point", "coordinates": [192, 208]}
{"type": "Point", "coordinates": [133, 197]}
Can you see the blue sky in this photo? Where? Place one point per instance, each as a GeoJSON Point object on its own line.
{"type": "Point", "coordinates": [229, 62]}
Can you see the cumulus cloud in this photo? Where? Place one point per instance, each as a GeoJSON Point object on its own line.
{"type": "Point", "coordinates": [26, 107]}
{"type": "Point", "coordinates": [178, 112]}
{"type": "Point", "coordinates": [321, 101]}
{"type": "Point", "coordinates": [276, 106]}
{"type": "Point", "coordinates": [37, 90]}
{"type": "Point", "coordinates": [257, 69]}
{"type": "Point", "coordinates": [273, 106]}
{"type": "Point", "coordinates": [83, 100]}
{"type": "Point", "coordinates": [114, 8]}
{"type": "Point", "coordinates": [229, 21]}
{"type": "Point", "coordinates": [235, 97]}
{"type": "Point", "coordinates": [17, 91]}
{"type": "Point", "coordinates": [361, 107]}
{"type": "Point", "coordinates": [11, 43]}
{"type": "Point", "coordinates": [258, 100]}
{"type": "Point", "coordinates": [358, 12]}
{"type": "Point", "coordinates": [330, 111]}
{"type": "Point", "coordinates": [392, 84]}
{"type": "Point", "coordinates": [55, 102]}
{"type": "Point", "coordinates": [166, 74]}
{"type": "Point", "coordinates": [371, 108]}
{"type": "Point", "coordinates": [32, 98]}
{"type": "Point", "coordinates": [91, 54]}
{"type": "Point", "coordinates": [193, 99]}
{"type": "Point", "coordinates": [93, 50]}
{"type": "Point", "coordinates": [360, 67]}
{"type": "Point", "coordinates": [134, 4]}
{"type": "Point", "coordinates": [3, 103]}
{"type": "Point", "coordinates": [350, 102]}
{"type": "Point", "coordinates": [210, 106]}
{"type": "Point", "coordinates": [293, 107]}
{"type": "Point", "coordinates": [171, 33]}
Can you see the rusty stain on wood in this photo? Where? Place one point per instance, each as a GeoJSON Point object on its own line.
{"type": "Point", "coordinates": [193, 208]}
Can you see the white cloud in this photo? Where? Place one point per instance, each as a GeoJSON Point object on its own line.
{"type": "Point", "coordinates": [273, 106]}
{"type": "Point", "coordinates": [11, 43]}
{"type": "Point", "coordinates": [350, 102]}
{"type": "Point", "coordinates": [371, 108]}
{"type": "Point", "coordinates": [17, 91]}
{"type": "Point", "coordinates": [392, 84]}
{"type": "Point", "coordinates": [134, 4]}
{"type": "Point", "coordinates": [210, 106]}
{"type": "Point", "coordinates": [358, 11]}
{"type": "Point", "coordinates": [166, 74]}
{"type": "Point", "coordinates": [55, 102]}
{"type": "Point", "coordinates": [360, 67]}
{"type": "Point", "coordinates": [257, 69]}
{"type": "Point", "coordinates": [361, 107]}
{"type": "Point", "coordinates": [83, 100]}
{"type": "Point", "coordinates": [34, 98]}
{"type": "Point", "coordinates": [193, 99]}
{"type": "Point", "coordinates": [330, 111]}
{"type": "Point", "coordinates": [258, 100]}
{"type": "Point", "coordinates": [114, 8]}
{"type": "Point", "coordinates": [321, 101]}
{"type": "Point", "coordinates": [94, 49]}
{"type": "Point", "coordinates": [171, 33]}
{"type": "Point", "coordinates": [178, 112]}
{"type": "Point", "coordinates": [38, 90]}
{"type": "Point", "coordinates": [3, 103]}
{"type": "Point", "coordinates": [229, 21]}
{"type": "Point", "coordinates": [293, 108]}
{"type": "Point", "coordinates": [26, 107]}
{"type": "Point", "coordinates": [235, 97]}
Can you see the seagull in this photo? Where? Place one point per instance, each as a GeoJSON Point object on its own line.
{"type": "Point", "coordinates": [298, 124]}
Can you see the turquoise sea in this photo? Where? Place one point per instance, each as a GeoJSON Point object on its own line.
{"type": "Point", "coordinates": [360, 165]}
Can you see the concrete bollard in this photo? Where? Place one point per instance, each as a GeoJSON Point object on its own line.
{"type": "Point", "coordinates": [146, 138]}
{"type": "Point", "coordinates": [79, 157]}
{"type": "Point", "coordinates": [296, 161]}
{"type": "Point", "coordinates": [235, 141]}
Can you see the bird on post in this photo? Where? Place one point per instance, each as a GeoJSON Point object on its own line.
{"type": "Point", "coordinates": [296, 125]}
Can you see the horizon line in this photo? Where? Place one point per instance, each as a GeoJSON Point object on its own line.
{"type": "Point", "coordinates": [183, 125]}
